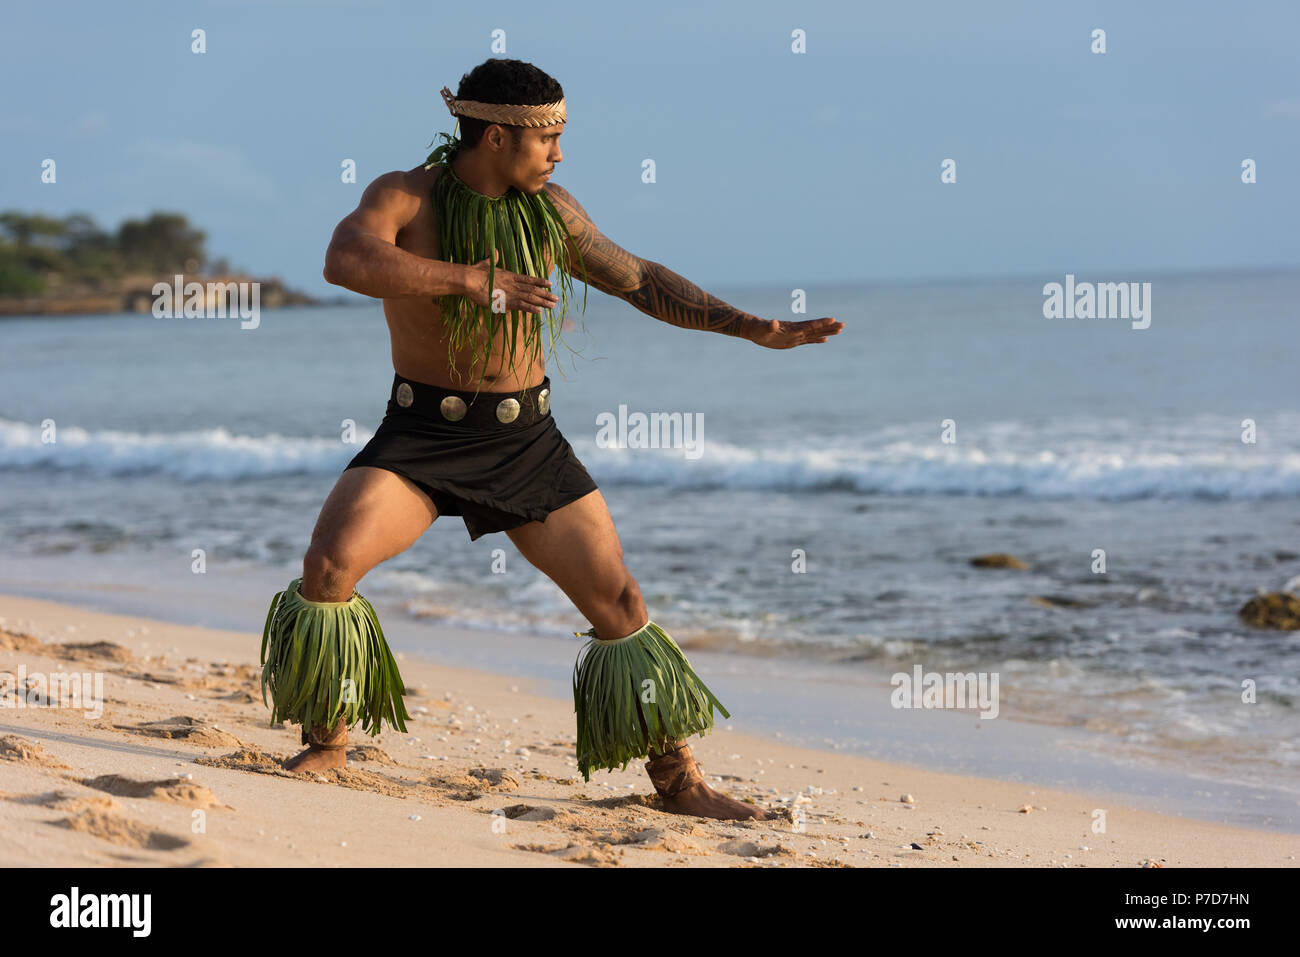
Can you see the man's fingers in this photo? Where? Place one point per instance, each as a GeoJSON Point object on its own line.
{"type": "Point", "coordinates": [789, 335]}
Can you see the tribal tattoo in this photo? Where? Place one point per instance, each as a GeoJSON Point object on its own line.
{"type": "Point", "coordinates": [653, 288]}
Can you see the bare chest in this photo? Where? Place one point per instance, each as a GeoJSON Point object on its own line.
{"type": "Point", "coordinates": [420, 236]}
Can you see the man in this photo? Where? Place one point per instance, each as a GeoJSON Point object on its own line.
{"type": "Point", "coordinates": [459, 251]}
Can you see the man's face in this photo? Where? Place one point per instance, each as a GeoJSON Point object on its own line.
{"type": "Point", "coordinates": [539, 151]}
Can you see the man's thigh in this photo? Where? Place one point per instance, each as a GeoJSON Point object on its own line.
{"type": "Point", "coordinates": [576, 547]}
{"type": "Point", "coordinates": [371, 515]}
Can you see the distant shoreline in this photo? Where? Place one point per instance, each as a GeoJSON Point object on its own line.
{"type": "Point", "coordinates": [136, 296]}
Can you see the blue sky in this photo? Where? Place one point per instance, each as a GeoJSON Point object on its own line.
{"type": "Point", "coordinates": [773, 167]}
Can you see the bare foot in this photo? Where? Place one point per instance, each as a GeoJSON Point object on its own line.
{"type": "Point", "coordinates": [327, 749]}
{"type": "Point", "coordinates": [702, 801]}
{"type": "Point", "coordinates": [677, 777]}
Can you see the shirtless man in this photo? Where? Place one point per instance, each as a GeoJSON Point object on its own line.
{"type": "Point", "coordinates": [388, 248]}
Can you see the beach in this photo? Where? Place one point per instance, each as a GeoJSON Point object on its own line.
{"type": "Point", "coordinates": [175, 764]}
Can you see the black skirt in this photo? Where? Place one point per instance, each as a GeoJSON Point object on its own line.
{"type": "Point", "coordinates": [454, 446]}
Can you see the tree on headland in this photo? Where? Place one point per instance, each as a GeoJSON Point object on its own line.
{"type": "Point", "coordinates": [39, 252]}
{"type": "Point", "coordinates": [70, 266]}
{"type": "Point", "coordinates": [163, 243]}
{"type": "Point", "coordinates": [28, 230]}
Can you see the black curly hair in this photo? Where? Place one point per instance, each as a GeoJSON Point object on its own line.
{"type": "Point", "coordinates": [503, 81]}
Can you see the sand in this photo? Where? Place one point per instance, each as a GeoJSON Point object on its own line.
{"type": "Point", "coordinates": [181, 769]}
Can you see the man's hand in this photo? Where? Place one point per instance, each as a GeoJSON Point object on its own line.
{"type": "Point", "coordinates": [778, 334]}
{"type": "Point", "coordinates": [526, 294]}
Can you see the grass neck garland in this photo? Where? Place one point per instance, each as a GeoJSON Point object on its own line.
{"type": "Point", "coordinates": [521, 229]}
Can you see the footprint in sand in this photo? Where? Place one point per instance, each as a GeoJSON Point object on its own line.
{"type": "Point", "coordinates": [239, 697]}
{"type": "Point", "coordinates": [639, 802]}
{"type": "Point", "coordinates": [745, 848]}
{"type": "Point", "coordinates": [528, 812]}
{"type": "Point", "coordinates": [14, 748]}
{"type": "Point", "coordinates": [370, 753]}
{"type": "Point", "coordinates": [90, 649]}
{"type": "Point", "coordinates": [19, 641]}
{"type": "Point", "coordinates": [67, 802]}
{"type": "Point", "coordinates": [594, 856]}
{"type": "Point", "coordinates": [168, 789]}
{"type": "Point", "coordinates": [120, 830]}
{"type": "Point", "coordinates": [499, 779]}
{"type": "Point", "coordinates": [184, 728]}
{"type": "Point", "coordinates": [247, 758]}
{"type": "Point", "coordinates": [470, 786]}
{"type": "Point", "coordinates": [657, 839]}
{"type": "Point", "coordinates": [606, 847]}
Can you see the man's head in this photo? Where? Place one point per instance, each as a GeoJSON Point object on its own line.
{"type": "Point", "coordinates": [518, 155]}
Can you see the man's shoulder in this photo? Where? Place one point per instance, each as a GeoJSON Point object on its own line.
{"type": "Point", "coordinates": [419, 180]}
{"type": "Point", "coordinates": [570, 209]}
{"type": "Point", "coordinates": [559, 194]}
{"type": "Point", "coordinates": [412, 182]}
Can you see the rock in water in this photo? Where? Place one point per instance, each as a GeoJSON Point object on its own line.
{"type": "Point", "coordinates": [997, 560]}
{"type": "Point", "coordinates": [1272, 610]}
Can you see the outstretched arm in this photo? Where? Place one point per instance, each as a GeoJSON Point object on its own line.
{"type": "Point", "coordinates": [658, 291]}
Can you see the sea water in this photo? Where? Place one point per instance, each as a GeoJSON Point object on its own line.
{"type": "Point", "coordinates": [813, 534]}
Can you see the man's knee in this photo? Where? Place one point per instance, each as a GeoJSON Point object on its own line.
{"type": "Point", "coordinates": [327, 575]}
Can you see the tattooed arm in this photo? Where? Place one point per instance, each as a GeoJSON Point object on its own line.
{"type": "Point", "coordinates": [652, 288]}
{"type": "Point", "coordinates": [658, 291]}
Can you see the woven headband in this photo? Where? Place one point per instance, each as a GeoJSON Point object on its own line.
{"type": "Point", "coordinates": [543, 114]}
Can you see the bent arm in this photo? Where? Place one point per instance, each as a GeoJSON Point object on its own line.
{"type": "Point", "coordinates": [653, 288]}
{"type": "Point", "coordinates": [363, 254]}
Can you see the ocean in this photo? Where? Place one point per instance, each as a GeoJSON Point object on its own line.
{"type": "Point", "coordinates": [813, 535]}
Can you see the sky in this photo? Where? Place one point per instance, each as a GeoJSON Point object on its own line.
{"type": "Point", "coordinates": [772, 166]}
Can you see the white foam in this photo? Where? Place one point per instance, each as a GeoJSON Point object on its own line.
{"type": "Point", "coordinates": [905, 467]}
{"type": "Point", "coordinates": [1004, 461]}
{"type": "Point", "coordinates": [202, 454]}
